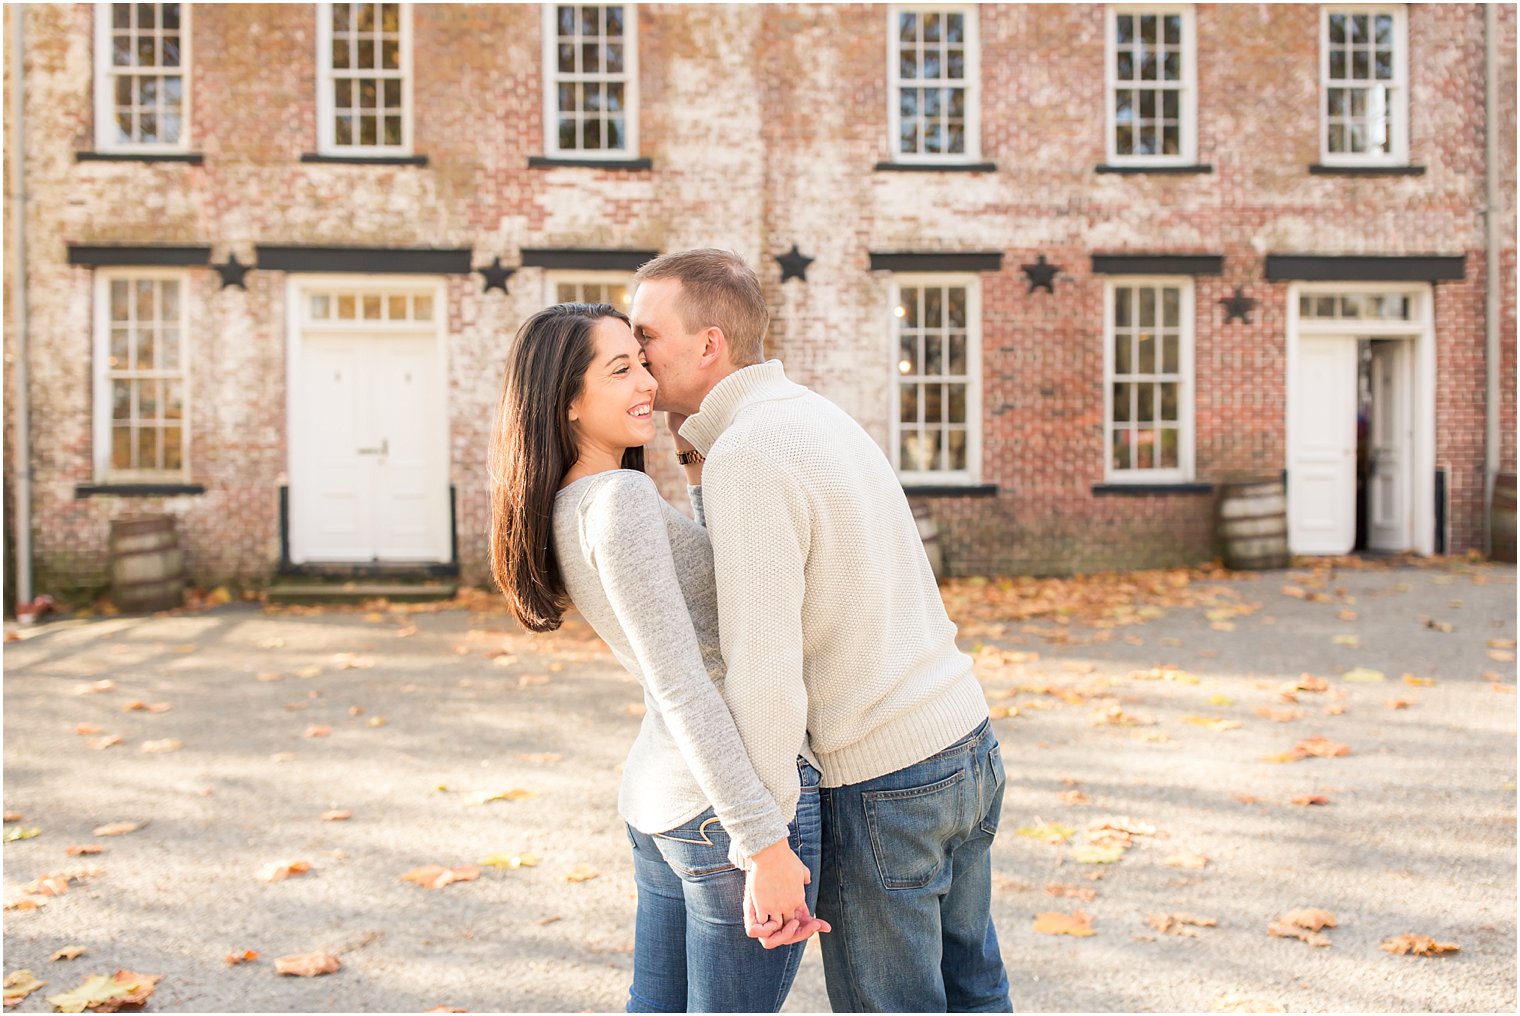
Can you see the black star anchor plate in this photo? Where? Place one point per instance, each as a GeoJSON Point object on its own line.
{"type": "Point", "coordinates": [793, 264]}
{"type": "Point", "coordinates": [496, 275]}
{"type": "Point", "coordinates": [1041, 275]}
{"type": "Point", "coordinates": [232, 272]}
{"type": "Point", "coordinates": [1238, 306]}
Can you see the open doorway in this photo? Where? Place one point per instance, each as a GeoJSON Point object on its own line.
{"type": "Point", "coordinates": [1384, 447]}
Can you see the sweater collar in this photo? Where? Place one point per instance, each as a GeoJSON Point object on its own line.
{"type": "Point", "coordinates": [761, 382]}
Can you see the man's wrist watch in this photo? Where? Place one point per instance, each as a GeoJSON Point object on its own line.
{"type": "Point", "coordinates": [690, 458]}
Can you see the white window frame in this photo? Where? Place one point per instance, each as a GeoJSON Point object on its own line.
{"type": "Point", "coordinates": [557, 277]}
{"type": "Point", "coordinates": [101, 425]}
{"type": "Point", "coordinates": [972, 85]}
{"type": "Point", "coordinates": [1186, 319]}
{"type": "Point", "coordinates": [1187, 103]}
{"type": "Point", "coordinates": [971, 475]}
{"type": "Point", "coordinates": [629, 79]}
{"type": "Point", "coordinates": [327, 110]}
{"type": "Point", "coordinates": [105, 88]}
{"type": "Point", "coordinates": [1398, 116]}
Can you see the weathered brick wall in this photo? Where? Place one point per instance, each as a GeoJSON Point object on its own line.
{"type": "Point", "coordinates": [763, 124]}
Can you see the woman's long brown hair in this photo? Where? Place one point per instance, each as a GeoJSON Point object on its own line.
{"type": "Point", "coordinates": [532, 448]}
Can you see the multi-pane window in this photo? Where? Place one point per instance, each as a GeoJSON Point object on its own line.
{"type": "Point", "coordinates": [590, 59]}
{"type": "Point", "coordinates": [364, 97]}
{"type": "Point", "coordinates": [141, 91]}
{"type": "Point", "coordinates": [1149, 401]}
{"type": "Point", "coordinates": [1349, 305]}
{"type": "Point", "coordinates": [593, 287]}
{"type": "Point", "coordinates": [937, 324]}
{"type": "Point", "coordinates": [1366, 101]}
{"type": "Point", "coordinates": [141, 421]}
{"type": "Point", "coordinates": [1151, 94]}
{"type": "Point", "coordinates": [932, 60]}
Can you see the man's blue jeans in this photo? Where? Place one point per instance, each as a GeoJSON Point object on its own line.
{"type": "Point", "coordinates": [690, 952]}
{"type": "Point", "coordinates": [907, 885]}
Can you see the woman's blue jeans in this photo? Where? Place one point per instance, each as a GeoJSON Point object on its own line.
{"type": "Point", "coordinates": [690, 952]}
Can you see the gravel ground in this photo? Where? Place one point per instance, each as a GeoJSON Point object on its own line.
{"type": "Point", "coordinates": [427, 707]}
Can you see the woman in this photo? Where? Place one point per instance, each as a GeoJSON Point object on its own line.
{"type": "Point", "coordinates": [575, 519]}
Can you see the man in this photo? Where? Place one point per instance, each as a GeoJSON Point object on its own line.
{"type": "Point", "coordinates": [831, 624]}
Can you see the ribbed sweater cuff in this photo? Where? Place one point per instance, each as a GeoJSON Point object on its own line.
{"type": "Point", "coordinates": [912, 737]}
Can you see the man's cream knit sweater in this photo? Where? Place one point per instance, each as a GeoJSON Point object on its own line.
{"type": "Point", "coordinates": [829, 617]}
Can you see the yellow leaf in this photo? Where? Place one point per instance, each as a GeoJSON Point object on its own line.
{"type": "Point", "coordinates": [1361, 675]}
{"type": "Point", "coordinates": [511, 861]}
{"type": "Point", "coordinates": [1350, 641]}
{"type": "Point", "coordinates": [581, 873]}
{"type": "Point", "coordinates": [1212, 722]}
{"type": "Point", "coordinates": [1221, 700]}
{"type": "Point", "coordinates": [311, 671]}
{"type": "Point", "coordinates": [15, 833]}
{"type": "Point", "coordinates": [1420, 682]}
{"type": "Point", "coordinates": [19, 985]}
{"type": "Point", "coordinates": [120, 990]}
{"type": "Point", "coordinates": [1087, 853]}
{"type": "Point", "coordinates": [1047, 832]}
{"type": "Point", "coordinates": [1078, 925]}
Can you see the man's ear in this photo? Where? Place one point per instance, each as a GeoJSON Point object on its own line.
{"type": "Point", "coordinates": [714, 346]}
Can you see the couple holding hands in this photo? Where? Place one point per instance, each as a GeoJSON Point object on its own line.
{"type": "Point", "coordinates": [816, 754]}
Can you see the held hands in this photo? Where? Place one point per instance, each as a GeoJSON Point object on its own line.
{"type": "Point", "coordinates": [775, 905]}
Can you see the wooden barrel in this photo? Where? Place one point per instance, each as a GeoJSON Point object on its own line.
{"type": "Point", "coordinates": [1501, 544]}
{"type": "Point", "coordinates": [1252, 524]}
{"type": "Point", "coordinates": [147, 565]}
{"type": "Point", "coordinates": [928, 532]}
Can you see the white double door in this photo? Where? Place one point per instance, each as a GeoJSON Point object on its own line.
{"type": "Point", "coordinates": [369, 450]}
{"type": "Point", "coordinates": [1324, 433]}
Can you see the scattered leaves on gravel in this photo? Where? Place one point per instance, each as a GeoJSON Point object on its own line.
{"type": "Point", "coordinates": [123, 989]}
{"type": "Point", "coordinates": [436, 876]}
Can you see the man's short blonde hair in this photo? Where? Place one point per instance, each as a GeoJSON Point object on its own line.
{"type": "Point", "coordinates": [717, 290]}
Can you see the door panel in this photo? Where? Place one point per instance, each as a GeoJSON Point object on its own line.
{"type": "Point", "coordinates": [1322, 458]}
{"type": "Point", "coordinates": [411, 490]}
{"type": "Point", "coordinates": [331, 518]}
{"type": "Point", "coordinates": [1390, 434]}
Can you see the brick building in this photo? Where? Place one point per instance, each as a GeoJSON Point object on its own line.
{"type": "Point", "coordinates": [1075, 266]}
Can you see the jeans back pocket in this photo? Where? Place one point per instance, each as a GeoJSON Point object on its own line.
{"type": "Point", "coordinates": [910, 829]}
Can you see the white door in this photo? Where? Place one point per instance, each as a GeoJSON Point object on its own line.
{"type": "Point", "coordinates": [369, 440]}
{"type": "Point", "coordinates": [1322, 448]}
{"type": "Point", "coordinates": [1391, 438]}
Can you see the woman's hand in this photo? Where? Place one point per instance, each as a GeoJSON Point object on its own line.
{"type": "Point", "coordinates": [674, 421]}
{"type": "Point", "coordinates": [775, 902]}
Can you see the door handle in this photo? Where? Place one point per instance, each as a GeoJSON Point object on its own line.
{"type": "Point", "coordinates": [385, 446]}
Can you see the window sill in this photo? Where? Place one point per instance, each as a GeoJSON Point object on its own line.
{"type": "Point", "coordinates": [137, 489]}
{"type": "Point", "coordinates": [936, 167]}
{"type": "Point", "coordinates": [1172, 170]}
{"type": "Point", "coordinates": [550, 161]}
{"type": "Point", "coordinates": [1321, 169]}
{"type": "Point", "coordinates": [950, 489]}
{"type": "Point", "coordinates": [365, 160]}
{"type": "Point", "coordinates": [1147, 489]}
{"type": "Point", "coordinates": [193, 158]}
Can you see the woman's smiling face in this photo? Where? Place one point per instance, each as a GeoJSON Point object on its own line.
{"type": "Point", "coordinates": [615, 409]}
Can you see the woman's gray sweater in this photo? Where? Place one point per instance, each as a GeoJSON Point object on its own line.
{"type": "Point", "coordinates": [641, 573]}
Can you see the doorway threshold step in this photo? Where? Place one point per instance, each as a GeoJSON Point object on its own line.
{"type": "Point", "coordinates": [360, 592]}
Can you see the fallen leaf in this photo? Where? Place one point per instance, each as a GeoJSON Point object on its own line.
{"type": "Point", "coordinates": [104, 685]}
{"type": "Point", "coordinates": [308, 672]}
{"type": "Point", "coordinates": [544, 922]}
{"type": "Point", "coordinates": [1419, 682]}
{"type": "Point", "coordinates": [68, 952]}
{"type": "Point", "coordinates": [307, 965]}
{"type": "Point", "coordinates": [1417, 945]}
{"type": "Point", "coordinates": [1216, 723]}
{"type": "Point", "coordinates": [1081, 892]}
{"type": "Point", "coordinates": [274, 871]}
{"type": "Point", "coordinates": [20, 984]}
{"type": "Point", "coordinates": [1305, 924]}
{"type": "Point", "coordinates": [445, 1008]}
{"type": "Point", "coordinates": [1399, 703]}
{"type": "Point", "coordinates": [234, 959]}
{"type": "Point", "coordinates": [406, 631]}
{"type": "Point", "coordinates": [353, 661]}
{"type": "Point", "coordinates": [1048, 832]}
{"type": "Point", "coordinates": [1297, 592]}
{"type": "Point", "coordinates": [375, 721]}
{"type": "Point", "coordinates": [1308, 682]}
{"type": "Point", "coordinates": [356, 710]}
{"type": "Point", "coordinates": [1078, 925]}
{"type": "Point", "coordinates": [1308, 799]}
{"type": "Point", "coordinates": [269, 676]}
{"type": "Point", "coordinates": [48, 885]}
{"type": "Point", "coordinates": [14, 816]}
{"type": "Point", "coordinates": [1501, 643]}
{"type": "Point", "coordinates": [1186, 859]}
{"type": "Point", "coordinates": [487, 796]}
{"type": "Point", "coordinates": [318, 730]}
{"type": "Point", "coordinates": [20, 903]}
{"type": "Point", "coordinates": [1346, 615]}
{"type": "Point", "coordinates": [436, 876]}
{"type": "Point", "coordinates": [1221, 700]}
{"type": "Point", "coordinates": [84, 849]}
{"type": "Point", "coordinates": [337, 815]}
{"type": "Point", "coordinates": [100, 993]}
{"type": "Point", "coordinates": [117, 828]}
{"type": "Point", "coordinates": [1361, 675]}
{"type": "Point", "coordinates": [1248, 799]}
{"type": "Point", "coordinates": [1350, 641]}
{"type": "Point", "coordinates": [86, 729]}
{"type": "Point", "coordinates": [102, 743]}
{"type": "Point", "coordinates": [1089, 853]}
{"type": "Point", "coordinates": [1503, 656]}
{"type": "Point", "coordinates": [164, 746]}
{"type": "Point", "coordinates": [1075, 797]}
{"type": "Point", "coordinates": [511, 861]}
{"type": "Point", "coordinates": [1321, 747]}
{"type": "Point", "coordinates": [1180, 923]}
{"type": "Point", "coordinates": [1279, 715]}
{"type": "Point", "coordinates": [1334, 709]}
{"type": "Point", "coordinates": [532, 680]}
{"type": "Point", "coordinates": [581, 873]}
{"type": "Point", "coordinates": [15, 833]}
{"type": "Point", "coordinates": [1440, 626]}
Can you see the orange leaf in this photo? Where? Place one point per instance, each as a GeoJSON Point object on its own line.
{"type": "Point", "coordinates": [307, 965]}
{"type": "Point", "coordinates": [168, 744]}
{"type": "Point", "coordinates": [276, 872]}
{"type": "Point", "coordinates": [1180, 924]}
{"type": "Point", "coordinates": [1418, 945]}
{"type": "Point", "coordinates": [235, 959]}
{"type": "Point", "coordinates": [1308, 682]}
{"type": "Point", "coordinates": [581, 873]}
{"type": "Point", "coordinates": [102, 743]}
{"type": "Point", "coordinates": [1075, 797]}
{"type": "Point", "coordinates": [117, 828]}
{"type": "Point", "coordinates": [318, 730]}
{"type": "Point", "coordinates": [337, 815]}
{"type": "Point", "coordinates": [436, 876]}
{"type": "Point", "coordinates": [1419, 682]}
{"type": "Point", "coordinates": [1307, 799]}
{"type": "Point", "coordinates": [84, 849]}
{"type": "Point", "coordinates": [1084, 893]}
{"type": "Point", "coordinates": [84, 729]}
{"type": "Point", "coordinates": [1279, 715]}
{"type": "Point", "coordinates": [1399, 703]}
{"type": "Point", "coordinates": [1078, 925]}
{"type": "Point", "coordinates": [68, 952]}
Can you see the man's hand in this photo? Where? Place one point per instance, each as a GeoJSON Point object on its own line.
{"type": "Point", "coordinates": [775, 906]}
